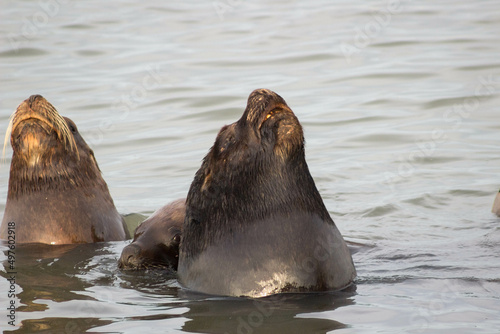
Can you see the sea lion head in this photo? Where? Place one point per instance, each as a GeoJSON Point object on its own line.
{"type": "Point", "coordinates": [160, 251]}
{"type": "Point", "coordinates": [156, 240]}
{"type": "Point", "coordinates": [267, 129]}
{"type": "Point", "coordinates": [255, 169]}
{"type": "Point", "coordinates": [48, 150]}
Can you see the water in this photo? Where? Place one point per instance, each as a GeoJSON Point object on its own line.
{"type": "Point", "coordinates": [399, 106]}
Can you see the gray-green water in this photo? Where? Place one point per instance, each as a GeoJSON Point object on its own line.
{"type": "Point", "coordinates": [399, 103]}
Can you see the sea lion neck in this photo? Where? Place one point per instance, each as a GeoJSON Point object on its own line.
{"type": "Point", "coordinates": [57, 175]}
{"type": "Point", "coordinates": [255, 189]}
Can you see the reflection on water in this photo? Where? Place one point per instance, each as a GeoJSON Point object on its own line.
{"type": "Point", "coordinates": [45, 272]}
{"type": "Point", "coordinates": [399, 106]}
{"type": "Point", "coordinates": [278, 314]}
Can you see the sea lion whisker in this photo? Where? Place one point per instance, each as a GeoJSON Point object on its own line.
{"type": "Point", "coordinates": [64, 132]}
{"type": "Point", "coordinates": [8, 133]}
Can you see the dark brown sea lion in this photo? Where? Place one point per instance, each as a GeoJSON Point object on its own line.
{"type": "Point", "coordinates": [496, 205]}
{"type": "Point", "coordinates": [56, 192]}
{"type": "Point", "coordinates": [156, 240]}
{"type": "Point", "coordinates": [255, 223]}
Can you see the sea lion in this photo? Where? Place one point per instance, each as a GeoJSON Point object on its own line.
{"type": "Point", "coordinates": [255, 222]}
{"type": "Point", "coordinates": [56, 193]}
{"type": "Point", "coordinates": [156, 240]}
{"type": "Point", "coordinates": [496, 205]}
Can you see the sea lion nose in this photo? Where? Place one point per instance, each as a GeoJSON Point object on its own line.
{"type": "Point", "coordinates": [260, 98]}
{"type": "Point", "coordinates": [32, 99]}
{"type": "Point", "coordinates": [262, 92]}
{"type": "Point", "coordinates": [129, 256]}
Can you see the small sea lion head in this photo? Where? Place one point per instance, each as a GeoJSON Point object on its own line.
{"type": "Point", "coordinates": [47, 148]}
{"type": "Point", "coordinates": [152, 248]}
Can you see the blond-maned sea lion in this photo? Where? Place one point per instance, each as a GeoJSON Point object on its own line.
{"type": "Point", "coordinates": [56, 193]}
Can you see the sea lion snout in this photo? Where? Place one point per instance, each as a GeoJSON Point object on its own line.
{"type": "Point", "coordinates": [130, 257]}
{"type": "Point", "coordinates": [39, 117]}
{"type": "Point", "coordinates": [33, 99]}
{"type": "Point", "coordinates": [262, 97]}
{"type": "Point", "coordinates": [261, 93]}
{"type": "Point", "coordinates": [263, 104]}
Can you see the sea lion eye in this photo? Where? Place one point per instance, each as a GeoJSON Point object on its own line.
{"type": "Point", "coordinates": [176, 238]}
{"type": "Point", "coordinates": [72, 128]}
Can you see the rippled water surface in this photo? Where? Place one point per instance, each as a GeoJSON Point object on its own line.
{"type": "Point", "coordinates": [399, 104]}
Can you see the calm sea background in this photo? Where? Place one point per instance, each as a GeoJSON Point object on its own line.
{"type": "Point", "coordinates": [399, 104]}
